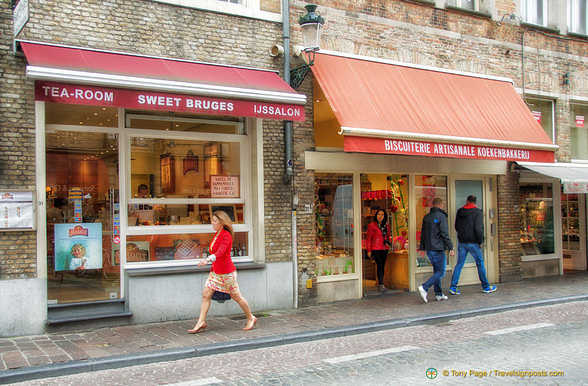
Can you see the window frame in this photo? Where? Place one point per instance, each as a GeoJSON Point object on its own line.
{"type": "Point", "coordinates": [530, 13]}
{"type": "Point", "coordinates": [574, 16]}
{"type": "Point", "coordinates": [245, 197]}
{"type": "Point", "coordinates": [459, 4]}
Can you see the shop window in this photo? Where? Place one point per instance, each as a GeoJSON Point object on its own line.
{"type": "Point", "coordinates": [542, 111]}
{"type": "Point", "coordinates": [183, 246]}
{"type": "Point", "coordinates": [334, 224]}
{"type": "Point", "coordinates": [536, 217]}
{"type": "Point", "coordinates": [579, 131]}
{"type": "Point", "coordinates": [178, 179]}
{"type": "Point", "coordinates": [259, 9]}
{"type": "Point", "coordinates": [577, 16]}
{"type": "Point", "coordinates": [179, 168]}
{"type": "Point", "coordinates": [534, 11]}
{"type": "Point", "coordinates": [78, 115]}
{"type": "Point", "coordinates": [426, 189]}
{"type": "Point", "coordinates": [183, 123]}
{"type": "Point", "coordinates": [570, 222]}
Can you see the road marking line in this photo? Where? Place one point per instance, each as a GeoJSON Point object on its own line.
{"type": "Point", "coordinates": [199, 382]}
{"type": "Point", "coordinates": [518, 328]}
{"type": "Point", "coordinates": [368, 354]}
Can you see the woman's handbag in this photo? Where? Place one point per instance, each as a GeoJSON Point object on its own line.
{"type": "Point", "coordinates": [221, 297]}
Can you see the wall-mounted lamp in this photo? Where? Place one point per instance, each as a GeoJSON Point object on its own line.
{"type": "Point", "coordinates": [311, 25]}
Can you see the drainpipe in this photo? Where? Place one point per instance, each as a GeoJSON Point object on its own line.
{"type": "Point", "coordinates": [288, 175]}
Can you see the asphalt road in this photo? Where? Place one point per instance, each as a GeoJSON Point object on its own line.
{"type": "Point", "coordinates": [542, 345]}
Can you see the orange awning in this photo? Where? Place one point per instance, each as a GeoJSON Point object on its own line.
{"type": "Point", "coordinates": [392, 108]}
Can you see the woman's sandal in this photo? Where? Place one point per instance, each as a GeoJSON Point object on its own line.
{"type": "Point", "coordinates": [248, 327]}
{"type": "Point", "coordinates": [196, 330]}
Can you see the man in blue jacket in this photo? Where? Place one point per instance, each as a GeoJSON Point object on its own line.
{"type": "Point", "coordinates": [435, 241]}
{"type": "Point", "coordinates": [469, 224]}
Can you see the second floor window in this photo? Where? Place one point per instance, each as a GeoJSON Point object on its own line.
{"type": "Point", "coordinates": [577, 16]}
{"type": "Point", "coordinates": [467, 4]}
{"type": "Point", "coordinates": [534, 11]}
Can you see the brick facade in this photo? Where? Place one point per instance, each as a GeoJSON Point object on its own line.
{"type": "Point", "coordinates": [405, 31]}
{"type": "Point", "coordinates": [418, 32]}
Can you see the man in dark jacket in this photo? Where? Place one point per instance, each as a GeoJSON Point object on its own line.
{"type": "Point", "coordinates": [435, 241]}
{"type": "Point", "coordinates": [469, 224]}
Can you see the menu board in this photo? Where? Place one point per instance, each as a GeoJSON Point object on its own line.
{"type": "Point", "coordinates": [16, 210]}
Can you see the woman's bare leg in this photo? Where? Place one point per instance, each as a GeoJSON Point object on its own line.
{"type": "Point", "coordinates": [204, 307]}
{"type": "Point", "coordinates": [242, 302]}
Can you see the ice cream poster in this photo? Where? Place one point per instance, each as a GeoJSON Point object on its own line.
{"type": "Point", "coordinates": [78, 246]}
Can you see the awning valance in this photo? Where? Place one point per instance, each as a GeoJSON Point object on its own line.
{"type": "Point", "coordinates": [574, 177]}
{"type": "Point", "coordinates": [91, 77]}
{"type": "Point", "coordinates": [392, 108]}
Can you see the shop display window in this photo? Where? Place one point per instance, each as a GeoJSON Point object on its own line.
{"type": "Point", "coordinates": [334, 224]}
{"type": "Point", "coordinates": [185, 246]}
{"type": "Point", "coordinates": [579, 131]}
{"type": "Point", "coordinates": [570, 222]}
{"type": "Point", "coordinates": [179, 168]}
{"type": "Point", "coordinates": [537, 227]}
{"type": "Point", "coordinates": [178, 178]}
{"type": "Point", "coordinates": [426, 189]}
{"type": "Point", "coordinates": [182, 214]}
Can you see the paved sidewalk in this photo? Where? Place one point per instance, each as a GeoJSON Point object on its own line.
{"type": "Point", "coordinates": [39, 356]}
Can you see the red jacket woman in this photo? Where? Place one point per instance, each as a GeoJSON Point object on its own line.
{"type": "Point", "coordinates": [377, 241]}
{"type": "Point", "coordinates": [221, 249]}
{"type": "Point", "coordinates": [223, 274]}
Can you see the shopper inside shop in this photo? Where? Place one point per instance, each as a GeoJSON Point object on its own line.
{"type": "Point", "coordinates": [378, 242]}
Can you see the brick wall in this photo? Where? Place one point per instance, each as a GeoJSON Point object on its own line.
{"type": "Point", "coordinates": [17, 149]}
{"type": "Point", "coordinates": [134, 26]}
{"type": "Point", "coordinates": [509, 242]}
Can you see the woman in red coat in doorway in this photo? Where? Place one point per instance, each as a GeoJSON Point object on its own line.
{"type": "Point", "coordinates": [223, 274]}
{"type": "Point", "coordinates": [377, 243]}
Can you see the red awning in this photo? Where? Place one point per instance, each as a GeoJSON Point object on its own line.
{"type": "Point", "coordinates": [391, 108]}
{"type": "Point", "coordinates": [267, 95]}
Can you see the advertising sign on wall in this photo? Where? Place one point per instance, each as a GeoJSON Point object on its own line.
{"type": "Point", "coordinates": [78, 246]}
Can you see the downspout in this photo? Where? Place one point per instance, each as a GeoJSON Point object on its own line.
{"type": "Point", "coordinates": [288, 175]}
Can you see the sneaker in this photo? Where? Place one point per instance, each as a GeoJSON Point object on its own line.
{"type": "Point", "coordinates": [492, 288]}
{"type": "Point", "coordinates": [441, 297]}
{"type": "Point", "coordinates": [454, 291]}
{"type": "Point", "coordinates": [423, 293]}
{"type": "Point", "coordinates": [381, 288]}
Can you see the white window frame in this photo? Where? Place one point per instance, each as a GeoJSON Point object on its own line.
{"type": "Point", "coordinates": [126, 199]}
{"type": "Point", "coordinates": [576, 18]}
{"type": "Point", "coordinates": [246, 8]}
{"type": "Point", "coordinates": [459, 3]}
{"type": "Point", "coordinates": [530, 12]}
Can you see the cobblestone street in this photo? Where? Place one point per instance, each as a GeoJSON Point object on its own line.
{"type": "Point", "coordinates": [483, 349]}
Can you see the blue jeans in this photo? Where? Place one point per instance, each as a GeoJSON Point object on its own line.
{"type": "Point", "coordinates": [438, 262]}
{"type": "Point", "coordinates": [462, 253]}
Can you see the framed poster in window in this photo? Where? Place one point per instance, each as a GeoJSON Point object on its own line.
{"type": "Point", "coordinates": [167, 164]}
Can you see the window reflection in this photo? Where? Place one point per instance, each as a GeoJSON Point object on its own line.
{"type": "Point", "coordinates": [426, 189]}
{"type": "Point", "coordinates": [536, 205]}
{"type": "Point", "coordinates": [177, 168]}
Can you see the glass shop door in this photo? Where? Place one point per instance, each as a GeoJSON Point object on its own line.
{"type": "Point", "coordinates": [82, 216]}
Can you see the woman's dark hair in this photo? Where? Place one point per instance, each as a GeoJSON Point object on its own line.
{"type": "Point", "coordinates": [385, 220]}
